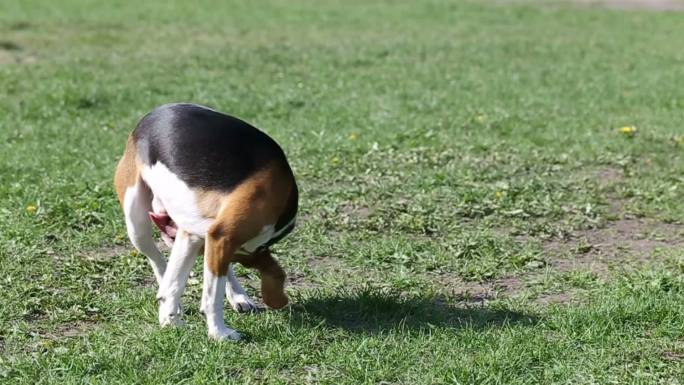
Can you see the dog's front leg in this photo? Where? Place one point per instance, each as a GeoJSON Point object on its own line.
{"type": "Point", "coordinates": [183, 255]}
{"type": "Point", "coordinates": [212, 305]}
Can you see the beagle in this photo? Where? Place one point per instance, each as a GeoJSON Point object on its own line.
{"type": "Point", "coordinates": [207, 181]}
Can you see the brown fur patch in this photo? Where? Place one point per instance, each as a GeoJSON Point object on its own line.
{"type": "Point", "coordinates": [210, 202]}
{"type": "Point", "coordinates": [257, 202]}
{"type": "Point", "coordinates": [126, 171]}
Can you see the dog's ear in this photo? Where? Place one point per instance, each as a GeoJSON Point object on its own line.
{"type": "Point", "coordinates": [272, 277]}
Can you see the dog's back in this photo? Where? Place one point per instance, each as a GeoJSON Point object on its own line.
{"type": "Point", "coordinates": [193, 157]}
{"type": "Point", "coordinates": [204, 148]}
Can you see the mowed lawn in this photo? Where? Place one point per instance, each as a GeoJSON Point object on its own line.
{"type": "Point", "coordinates": [491, 192]}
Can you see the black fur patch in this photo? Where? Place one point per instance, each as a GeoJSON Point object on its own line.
{"type": "Point", "coordinates": [205, 148]}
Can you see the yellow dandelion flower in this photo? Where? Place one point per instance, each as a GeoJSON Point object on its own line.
{"type": "Point", "coordinates": [353, 136]}
{"type": "Point", "coordinates": [628, 130]}
{"type": "Point", "coordinates": [31, 209]}
{"type": "Point", "coordinates": [499, 194]}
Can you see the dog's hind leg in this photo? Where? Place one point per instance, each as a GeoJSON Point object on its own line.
{"type": "Point", "coordinates": [136, 200]}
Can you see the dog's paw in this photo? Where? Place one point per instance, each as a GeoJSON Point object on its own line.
{"type": "Point", "coordinates": [224, 334]}
{"type": "Point", "coordinates": [241, 303]}
{"type": "Point", "coordinates": [171, 320]}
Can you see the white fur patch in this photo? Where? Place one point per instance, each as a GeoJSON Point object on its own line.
{"type": "Point", "coordinates": [180, 202]}
{"type": "Point", "coordinates": [177, 198]}
{"type": "Point", "coordinates": [292, 222]}
{"type": "Point", "coordinates": [264, 236]}
{"type": "Point", "coordinates": [213, 293]}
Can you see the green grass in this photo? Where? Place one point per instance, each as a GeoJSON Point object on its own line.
{"type": "Point", "coordinates": [441, 147]}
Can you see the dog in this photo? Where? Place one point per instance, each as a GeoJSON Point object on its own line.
{"type": "Point", "coordinates": [210, 182]}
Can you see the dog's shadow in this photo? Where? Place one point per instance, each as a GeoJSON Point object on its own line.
{"type": "Point", "coordinates": [377, 311]}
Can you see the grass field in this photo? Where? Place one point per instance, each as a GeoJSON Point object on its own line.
{"type": "Point", "coordinates": [471, 211]}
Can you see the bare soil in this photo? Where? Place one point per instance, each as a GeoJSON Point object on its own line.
{"type": "Point", "coordinates": [622, 241]}
{"type": "Point", "coordinates": [75, 329]}
{"type": "Point", "coordinates": [108, 252]}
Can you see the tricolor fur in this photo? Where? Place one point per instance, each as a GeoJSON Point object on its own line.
{"type": "Point", "coordinates": [207, 181]}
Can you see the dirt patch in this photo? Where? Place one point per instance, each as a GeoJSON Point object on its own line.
{"type": "Point", "coordinates": [618, 244]}
{"type": "Point", "coordinates": [106, 253]}
{"type": "Point", "coordinates": [608, 175]}
{"type": "Point", "coordinates": [478, 292]}
{"type": "Point", "coordinates": [316, 268]}
{"type": "Point", "coordinates": [325, 263]}
{"type": "Point", "coordinates": [151, 282]}
{"type": "Point", "coordinates": [616, 208]}
{"type": "Point", "coordinates": [620, 241]}
{"type": "Point", "coordinates": [74, 329]}
{"type": "Point", "coordinates": [652, 5]}
{"type": "Point", "coordinates": [7, 58]}
{"type": "Point", "coordinates": [673, 356]}
{"type": "Point", "coordinates": [298, 279]}
{"type": "Point", "coordinates": [554, 298]}
{"type": "Point", "coordinates": [49, 334]}
{"type": "Point", "coordinates": [607, 179]}
{"type": "Point", "coordinates": [354, 211]}
{"type": "Point", "coordinates": [13, 53]}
